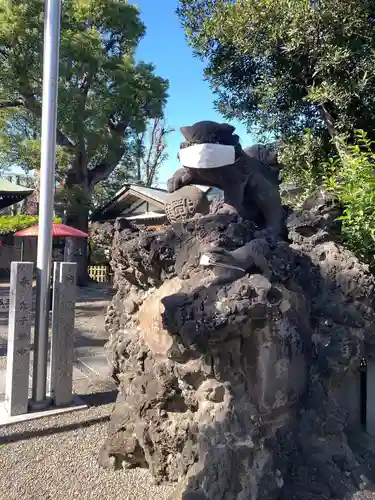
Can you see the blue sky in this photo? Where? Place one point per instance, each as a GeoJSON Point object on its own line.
{"type": "Point", "coordinates": [190, 98]}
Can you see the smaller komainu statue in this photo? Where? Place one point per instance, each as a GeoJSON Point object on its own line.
{"type": "Point", "coordinates": [186, 203]}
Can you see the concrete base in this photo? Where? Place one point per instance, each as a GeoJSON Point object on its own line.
{"type": "Point", "coordinates": [51, 411]}
{"type": "Point", "coordinates": [97, 365]}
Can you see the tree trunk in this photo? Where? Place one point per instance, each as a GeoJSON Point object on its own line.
{"type": "Point", "coordinates": [77, 213]}
{"type": "Point", "coordinates": [79, 185]}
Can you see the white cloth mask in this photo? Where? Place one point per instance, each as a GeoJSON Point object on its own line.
{"type": "Point", "coordinates": [207, 156]}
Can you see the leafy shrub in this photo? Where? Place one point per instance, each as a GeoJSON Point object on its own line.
{"type": "Point", "coordinates": [349, 174]}
{"type": "Point", "coordinates": [11, 224]}
{"type": "Point", "coordinates": [304, 159]}
{"type": "Point", "coordinates": [351, 177]}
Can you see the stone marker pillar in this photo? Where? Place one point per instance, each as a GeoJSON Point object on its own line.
{"type": "Point", "coordinates": [19, 333]}
{"type": "Point", "coordinates": [62, 339]}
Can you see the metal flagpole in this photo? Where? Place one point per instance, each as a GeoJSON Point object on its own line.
{"type": "Point", "coordinates": [52, 16]}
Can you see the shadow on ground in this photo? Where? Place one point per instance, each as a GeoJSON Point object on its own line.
{"type": "Point", "coordinates": [86, 341]}
{"type": "Point", "coordinates": [23, 436]}
{"type": "Point", "coordinates": [99, 398]}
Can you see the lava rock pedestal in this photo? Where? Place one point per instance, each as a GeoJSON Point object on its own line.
{"type": "Point", "coordinates": [237, 390]}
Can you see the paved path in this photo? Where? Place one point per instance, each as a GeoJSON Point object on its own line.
{"type": "Point", "coordinates": [90, 333]}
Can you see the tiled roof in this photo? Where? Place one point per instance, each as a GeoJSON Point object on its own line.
{"type": "Point", "coordinates": [9, 187]}
{"type": "Point", "coordinates": [154, 193]}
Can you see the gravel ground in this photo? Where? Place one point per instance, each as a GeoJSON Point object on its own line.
{"type": "Point", "coordinates": [57, 458]}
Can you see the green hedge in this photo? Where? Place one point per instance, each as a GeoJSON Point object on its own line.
{"type": "Point", "coordinates": [12, 223]}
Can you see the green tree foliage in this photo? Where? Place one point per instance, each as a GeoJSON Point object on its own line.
{"type": "Point", "coordinates": [287, 66]}
{"type": "Point", "coordinates": [304, 157]}
{"type": "Point", "coordinates": [350, 176]}
{"type": "Point", "coordinates": [105, 97]}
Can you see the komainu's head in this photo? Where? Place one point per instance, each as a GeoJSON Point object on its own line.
{"type": "Point", "coordinates": [209, 143]}
{"type": "Point", "coordinates": [207, 132]}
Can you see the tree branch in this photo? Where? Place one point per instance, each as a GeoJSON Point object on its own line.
{"type": "Point", "coordinates": [151, 148]}
{"type": "Point", "coordinates": [139, 155]}
{"type": "Point", "coordinates": [156, 150]}
{"type": "Point", "coordinates": [104, 168]}
{"type": "Point", "coordinates": [81, 146]}
{"type": "Point", "coordinates": [329, 121]}
{"type": "Point", "coordinates": [117, 127]}
{"type": "Point", "coordinates": [3, 53]}
{"type": "Point", "coordinates": [11, 104]}
{"type": "Point", "coordinates": [32, 105]}
{"type": "Point", "coordinates": [110, 44]}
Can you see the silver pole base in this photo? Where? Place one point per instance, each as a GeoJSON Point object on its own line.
{"type": "Point", "coordinates": [40, 405]}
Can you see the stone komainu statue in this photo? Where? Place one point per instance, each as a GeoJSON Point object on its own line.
{"type": "Point", "coordinates": [267, 155]}
{"type": "Point", "coordinates": [212, 156]}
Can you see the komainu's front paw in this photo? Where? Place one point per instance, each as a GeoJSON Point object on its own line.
{"type": "Point", "coordinates": [174, 183]}
{"type": "Point", "coordinates": [178, 180]}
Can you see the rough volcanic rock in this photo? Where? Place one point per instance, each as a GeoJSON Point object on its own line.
{"type": "Point", "coordinates": [244, 389]}
{"type": "Point", "coordinates": [101, 239]}
{"type": "Point", "coordinates": [102, 233]}
{"type": "Point", "coordinates": [316, 221]}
